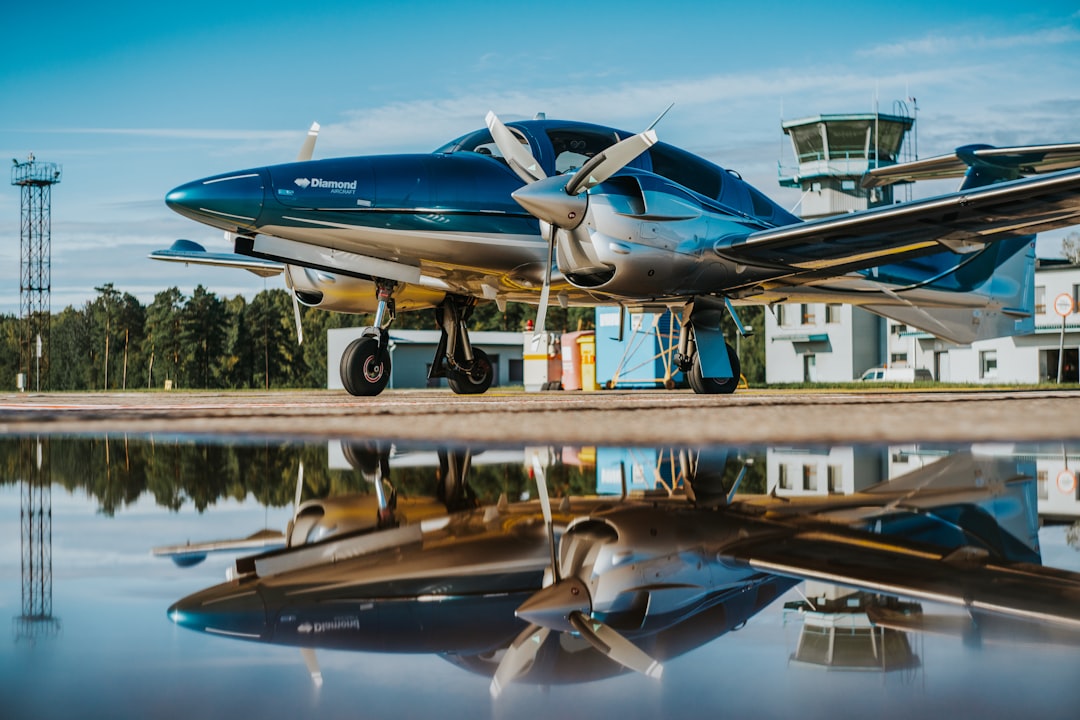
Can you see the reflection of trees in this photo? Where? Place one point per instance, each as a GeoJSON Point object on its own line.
{"type": "Point", "coordinates": [116, 470]}
{"type": "Point", "coordinates": [1072, 536]}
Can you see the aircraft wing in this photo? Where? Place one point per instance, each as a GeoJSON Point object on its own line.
{"type": "Point", "coordinates": [967, 577]}
{"type": "Point", "coordinates": [1027, 160]}
{"type": "Point", "coordinates": [186, 251]}
{"type": "Point", "coordinates": [960, 221]}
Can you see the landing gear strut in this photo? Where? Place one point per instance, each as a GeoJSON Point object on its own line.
{"type": "Point", "coordinates": [467, 369]}
{"type": "Point", "coordinates": [365, 364]}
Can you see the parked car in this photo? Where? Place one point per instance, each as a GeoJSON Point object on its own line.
{"type": "Point", "coordinates": [897, 374]}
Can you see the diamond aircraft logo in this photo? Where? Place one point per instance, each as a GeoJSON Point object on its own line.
{"type": "Point", "coordinates": [334, 186]}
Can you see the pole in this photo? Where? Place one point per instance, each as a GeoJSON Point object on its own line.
{"type": "Point", "coordinates": [1061, 350]}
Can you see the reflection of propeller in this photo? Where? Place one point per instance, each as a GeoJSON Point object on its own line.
{"type": "Point", "coordinates": [565, 605]}
{"type": "Point", "coordinates": [312, 664]}
{"type": "Point", "coordinates": [291, 528]}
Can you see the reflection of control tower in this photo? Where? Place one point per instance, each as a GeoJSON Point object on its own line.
{"type": "Point", "coordinates": [833, 152]}
{"type": "Point", "coordinates": [36, 525]}
{"type": "Point", "coordinates": [837, 634]}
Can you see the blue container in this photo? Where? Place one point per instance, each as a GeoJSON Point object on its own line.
{"type": "Point", "coordinates": [644, 358]}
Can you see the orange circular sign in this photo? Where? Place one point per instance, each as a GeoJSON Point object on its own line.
{"type": "Point", "coordinates": [1063, 304]}
{"type": "Point", "coordinates": [1066, 482]}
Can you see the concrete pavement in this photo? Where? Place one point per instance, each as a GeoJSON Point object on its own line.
{"type": "Point", "coordinates": [610, 417]}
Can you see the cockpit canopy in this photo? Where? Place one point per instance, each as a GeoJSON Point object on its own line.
{"type": "Point", "coordinates": [562, 147]}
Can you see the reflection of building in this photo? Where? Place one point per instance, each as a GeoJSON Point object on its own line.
{"type": "Point", "coordinates": [822, 471]}
{"type": "Point", "coordinates": [837, 634]}
{"type": "Point", "coordinates": [411, 353]}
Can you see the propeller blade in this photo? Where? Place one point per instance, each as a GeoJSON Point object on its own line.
{"type": "Point", "coordinates": [312, 663]}
{"type": "Point", "coordinates": [540, 326]}
{"type": "Point", "coordinates": [615, 646]}
{"type": "Point", "coordinates": [295, 304]}
{"type": "Point", "coordinates": [517, 155]}
{"type": "Point", "coordinates": [605, 164]}
{"type": "Point", "coordinates": [299, 322]}
{"type": "Point", "coordinates": [518, 657]}
{"type": "Point", "coordinates": [308, 148]}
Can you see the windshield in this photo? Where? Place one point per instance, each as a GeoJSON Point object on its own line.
{"type": "Point", "coordinates": [574, 146]}
{"type": "Point", "coordinates": [479, 142]}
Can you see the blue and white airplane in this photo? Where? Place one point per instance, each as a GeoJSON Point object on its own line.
{"type": "Point", "coordinates": [598, 216]}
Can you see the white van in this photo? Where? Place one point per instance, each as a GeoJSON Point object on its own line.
{"type": "Point", "coordinates": [897, 374]}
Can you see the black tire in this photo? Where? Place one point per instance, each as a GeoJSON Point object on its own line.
{"type": "Point", "coordinates": [477, 380]}
{"type": "Point", "coordinates": [364, 370]}
{"type": "Point", "coordinates": [715, 386]}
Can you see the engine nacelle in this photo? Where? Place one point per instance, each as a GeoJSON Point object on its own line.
{"type": "Point", "coordinates": [343, 293]}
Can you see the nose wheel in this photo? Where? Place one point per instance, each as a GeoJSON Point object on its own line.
{"type": "Point", "coordinates": [365, 364]}
{"type": "Point", "coordinates": [365, 367]}
{"type": "Point", "coordinates": [714, 386]}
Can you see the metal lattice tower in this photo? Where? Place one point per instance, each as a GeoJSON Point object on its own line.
{"type": "Point", "coordinates": [36, 179]}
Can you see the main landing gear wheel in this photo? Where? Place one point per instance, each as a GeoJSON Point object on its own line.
{"type": "Point", "coordinates": [365, 369]}
{"type": "Point", "coordinates": [476, 380]}
{"type": "Point", "coordinates": [715, 386]}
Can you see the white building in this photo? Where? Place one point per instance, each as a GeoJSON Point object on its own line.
{"type": "Point", "coordinates": [836, 343]}
{"type": "Point", "coordinates": [818, 342]}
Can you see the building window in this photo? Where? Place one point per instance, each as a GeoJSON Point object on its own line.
{"type": "Point", "coordinates": [988, 364]}
{"type": "Point", "coordinates": [515, 371]}
{"type": "Point", "coordinates": [899, 329]}
{"type": "Point", "coordinates": [1076, 297]}
{"type": "Point", "coordinates": [808, 314]}
{"type": "Point", "coordinates": [832, 313]}
{"type": "Point", "coordinates": [1040, 299]}
{"type": "Point", "coordinates": [1041, 481]}
{"type": "Point", "coordinates": [836, 479]}
{"type": "Point", "coordinates": [847, 185]}
{"type": "Point", "coordinates": [809, 478]}
{"type": "Point", "coordinates": [784, 479]}
{"type": "Point", "coordinates": [898, 359]}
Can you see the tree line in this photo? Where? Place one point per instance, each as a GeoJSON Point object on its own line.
{"type": "Point", "coordinates": [202, 341]}
{"type": "Point", "coordinates": [199, 341]}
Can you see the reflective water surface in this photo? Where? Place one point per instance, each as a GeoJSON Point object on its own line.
{"type": "Point", "coordinates": [165, 576]}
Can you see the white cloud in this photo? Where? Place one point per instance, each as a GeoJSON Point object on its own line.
{"type": "Point", "coordinates": [937, 44]}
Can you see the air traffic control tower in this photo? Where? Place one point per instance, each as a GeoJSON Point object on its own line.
{"type": "Point", "coordinates": [833, 152]}
{"type": "Point", "coordinates": [815, 342]}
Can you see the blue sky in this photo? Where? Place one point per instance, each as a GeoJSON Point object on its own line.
{"type": "Point", "coordinates": [134, 98]}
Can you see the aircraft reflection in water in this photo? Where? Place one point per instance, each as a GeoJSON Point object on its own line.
{"type": "Point", "coordinates": [592, 586]}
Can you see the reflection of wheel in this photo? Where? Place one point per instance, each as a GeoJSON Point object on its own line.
{"type": "Point", "coordinates": [365, 457]}
{"type": "Point", "coordinates": [477, 380]}
{"type": "Point", "coordinates": [364, 370]}
{"type": "Point", "coordinates": [715, 386]}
